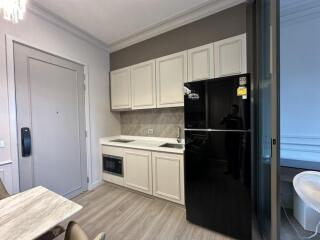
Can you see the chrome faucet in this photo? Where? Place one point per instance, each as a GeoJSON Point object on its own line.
{"type": "Point", "coordinates": [179, 139]}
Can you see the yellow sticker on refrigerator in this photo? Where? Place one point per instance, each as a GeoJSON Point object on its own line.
{"type": "Point", "coordinates": [242, 91]}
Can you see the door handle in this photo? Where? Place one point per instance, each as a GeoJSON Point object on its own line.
{"type": "Point", "coordinates": [25, 142]}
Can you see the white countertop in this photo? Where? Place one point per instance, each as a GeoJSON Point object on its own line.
{"type": "Point", "coordinates": [146, 143]}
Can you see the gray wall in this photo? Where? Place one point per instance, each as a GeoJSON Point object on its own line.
{"type": "Point", "coordinates": [224, 24]}
{"type": "Point", "coordinates": [164, 122]}
{"type": "Point", "coordinates": [227, 23]}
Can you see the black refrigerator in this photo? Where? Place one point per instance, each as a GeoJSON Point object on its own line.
{"type": "Point", "coordinates": [217, 155]}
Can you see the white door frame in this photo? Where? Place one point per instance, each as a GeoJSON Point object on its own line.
{"type": "Point", "coordinates": [10, 40]}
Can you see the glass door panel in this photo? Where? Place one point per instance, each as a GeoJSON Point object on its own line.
{"type": "Point", "coordinates": [267, 47]}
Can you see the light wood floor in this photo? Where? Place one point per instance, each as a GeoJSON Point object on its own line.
{"type": "Point", "coordinates": [128, 215]}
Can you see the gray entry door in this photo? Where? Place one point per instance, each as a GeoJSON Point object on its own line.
{"type": "Point", "coordinates": [50, 103]}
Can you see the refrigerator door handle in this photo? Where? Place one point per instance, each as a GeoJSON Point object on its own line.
{"type": "Point", "coordinates": [215, 130]}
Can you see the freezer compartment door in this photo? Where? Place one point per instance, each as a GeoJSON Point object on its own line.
{"type": "Point", "coordinates": [222, 103]}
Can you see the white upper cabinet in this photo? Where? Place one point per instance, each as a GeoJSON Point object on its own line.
{"type": "Point", "coordinates": [200, 63]}
{"type": "Point", "coordinates": [121, 89]}
{"type": "Point", "coordinates": [171, 73]}
{"type": "Point", "coordinates": [230, 56]}
{"type": "Point", "coordinates": [143, 85]}
{"type": "Point", "coordinates": [159, 83]}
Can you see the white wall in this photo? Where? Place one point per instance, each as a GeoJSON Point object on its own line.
{"type": "Point", "coordinates": [48, 36]}
{"type": "Point", "coordinates": [300, 84]}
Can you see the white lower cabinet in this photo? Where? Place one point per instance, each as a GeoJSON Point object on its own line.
{"type": "Point", "coordinates": [168, 176]}
{"type": "Point", "coordinates": [155, 173]}
{"type": "Point", "coordinates": [138, 170]}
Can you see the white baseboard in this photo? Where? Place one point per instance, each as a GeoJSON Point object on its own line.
{"type": "Point", "coordinates": [94, 185]}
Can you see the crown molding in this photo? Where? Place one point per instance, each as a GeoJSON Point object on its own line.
{"type": "Point", "coordinates": [48, 16]}
{"type": "Point", "coordinates": [166, 25]}
{"type": "Point", "coordinates": [297, 11]}
{"type": "Point", "coordinates": [179, 20]}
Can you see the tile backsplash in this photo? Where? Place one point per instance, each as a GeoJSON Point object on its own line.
{"type": "Point", "coordinates": [153, 122]}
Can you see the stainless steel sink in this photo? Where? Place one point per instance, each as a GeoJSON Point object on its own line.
{"type": "Point", "coordinates": [122, 140]}
{"type": "Point", "coordinates": [172, 145]}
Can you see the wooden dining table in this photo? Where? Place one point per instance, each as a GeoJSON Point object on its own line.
{"type": "Point", "coordinates": [28, 215]}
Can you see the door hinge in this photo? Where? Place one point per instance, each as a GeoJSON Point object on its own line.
{"type": "Point", "coordinates": [87, 179]}
{"type": "Point", "coordinates": [273, 142]}
{"type": "Point", "coordinates": [86, 133]}
{"type": "Point", "coordinates": [84, 87]}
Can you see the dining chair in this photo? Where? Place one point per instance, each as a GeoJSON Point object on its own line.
{"type": "Point", "coordinates": [52, 233]}
{"type": "Point", "coordinates": [3, 191]}
{"type": "Point", "coordinates": [75, 232]}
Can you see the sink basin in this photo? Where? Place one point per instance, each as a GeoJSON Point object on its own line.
{"type": "Point", "coordinates": [122, 140]}
{"type": "Point", "coordinates": [172, 145]}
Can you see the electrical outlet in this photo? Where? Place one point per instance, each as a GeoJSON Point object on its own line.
{"type": "Point", "coordinates": [2, 145]}
{"type": "Point", "coordinates": [150, 131]}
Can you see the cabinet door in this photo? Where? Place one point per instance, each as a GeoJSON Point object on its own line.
{"type": "Point", "coordinates": [171, 74]}
{"type": "Point", "coordinates": [121, 89]}
{"type": "Point", "coordinates": [138, 170]}
{"type": "Point", "coordinates": [200, 63]}
{"type": "Point", "coordinates": [143, 85]}
{"type": "Point", "coordinates": [168, 176]}
{"type": "Point", "coordinates": [6, 176]}
{"type": "Point", "coordinates": [230, 56]}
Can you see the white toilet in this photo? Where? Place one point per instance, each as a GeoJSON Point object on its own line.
{"type": "Point", "coordinates": [307, 199]}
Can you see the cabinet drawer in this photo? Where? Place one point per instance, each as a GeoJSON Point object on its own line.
{"type": "Point", "coordinates": [114, 151]}
{"type": "Point", "coordinates": [113, 179]}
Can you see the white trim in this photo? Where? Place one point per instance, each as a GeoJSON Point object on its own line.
{"type": "Point", "coordinates": [2, 163]}
{"type": "Point", "coordinates": [179, 20]}
{"type": "Point", "coordinates": [88, 125]}
{"type": "Point", "coordinates": [95, 184]}
{"type": "Point", "coordinates": [165, 25]}
{"type": "Point", "coordinates": [50, 17]}
{"type": "Point", "coordinates": [12, 108]}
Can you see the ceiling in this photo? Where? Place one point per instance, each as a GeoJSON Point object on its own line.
{"type": "Point", "coordinates": [115, 21]}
